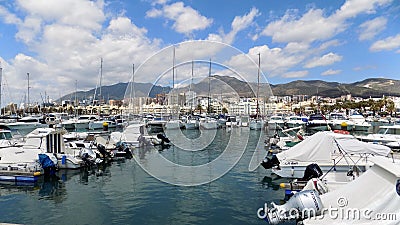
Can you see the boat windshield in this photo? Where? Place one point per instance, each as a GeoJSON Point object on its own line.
{"type": "Point", "coordinates": [388, 130]}
{"type": "Point", "coordinates": [5, 136]}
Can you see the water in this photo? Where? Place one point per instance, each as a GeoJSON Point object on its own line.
{"type": "Point", "coordinates": [125, 194]}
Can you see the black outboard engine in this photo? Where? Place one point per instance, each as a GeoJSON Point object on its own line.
{"type": "Point", "coordinates": [163, 139]}
{"type": "Point", "coordinates": [103, 151]}
{"type": "Point", "coordinates": [312, 171]}
{"type": "Point", "coordinates": [268, 163]}
{"type": "Point", "coordinates": [85, 159]}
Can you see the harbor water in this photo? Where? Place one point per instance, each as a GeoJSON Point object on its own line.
{"type": "Point", "coordinates": [124, 193]}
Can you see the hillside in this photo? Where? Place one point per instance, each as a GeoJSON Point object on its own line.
{"type": "Point", "coordinates": [372, 87]}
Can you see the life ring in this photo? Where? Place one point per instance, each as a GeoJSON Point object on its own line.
{"type": "Point", "coordinates": [341, 132]}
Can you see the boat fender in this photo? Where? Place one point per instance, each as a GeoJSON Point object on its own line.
{"type": "Point", "coordinates": [341, 132]}
{"type": "Point", "coordinates": [398, 187]}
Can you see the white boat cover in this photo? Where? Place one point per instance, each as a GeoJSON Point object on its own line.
{"type": "Point", "coordinates": [373, 195]}
{"type": "Point", "coordinates": [321, 146]}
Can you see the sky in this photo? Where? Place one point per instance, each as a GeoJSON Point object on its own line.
{"type": "Point", "coordinates": [60, 43]}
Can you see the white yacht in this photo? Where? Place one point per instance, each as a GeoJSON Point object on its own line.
{"type": "Point", "coordinates": [275, 122]}
{"type": "Point", "coordinates": [27, 123]}
{"type": "Point", "coordinates": [385, 135]}
{"type": "Point", "coordinates": [317, 122]}
{"type": "Point", "coordinates": [208, 123]}
{"type": "Point", "coordinates": [79, 123]}
{"type": "Point", "coordinates": [296, 121]}
{"type": "Point", "coordinates": [256, 124]}
{"type": "Point", "coordinates": [173, 125]}
{"type": "Point", "coordinates": [337, 120]}
{"type": "Point", "coordinates": [360, 123]}
{"type": "Point", "coordinates": [191, 123]}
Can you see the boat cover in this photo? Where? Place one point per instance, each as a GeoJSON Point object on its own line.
{"type": "Point", "coordinates": [375, 192]}
{"type": "Point", "coordinates": [321, 147]}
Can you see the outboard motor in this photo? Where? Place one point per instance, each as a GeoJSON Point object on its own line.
{"type": "Point", "coordinates": [268, 163]}
{"type": "Point", "coordinates": [103, 151]}
{"type": "Point", "coordinates": [47, 164]}
{"type": "Point", "coordinates": [302, 205]}
{"type": "Point", "coordinates": [312, 171]}
{"type": "Point", "coordinates": [163, 139]}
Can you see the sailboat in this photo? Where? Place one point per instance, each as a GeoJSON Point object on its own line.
{"type": "Point", "coordinates": [257, 123]}
{"type": "Point", "coordinates": [208, 123]}
{"type": "Point", "coordinates": [191, 123]}
{"type": "Point", "coordinates": [173, 123]}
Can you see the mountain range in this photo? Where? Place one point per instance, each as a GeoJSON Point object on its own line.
{"type": "Point", "coordinates": [372, 87]}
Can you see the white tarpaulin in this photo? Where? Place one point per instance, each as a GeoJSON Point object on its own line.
{"type": "Point", "coordinates": [370, 199]}
{"type": "Point", "coordinates": [320, 147]}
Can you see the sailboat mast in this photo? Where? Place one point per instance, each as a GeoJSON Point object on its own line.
{"type": "Point", "coordinates": [132, 93]}
{"type": "Point", "coordinates": [28, 94]}
{"type": "Point", "coordinates": [258, 84]}
{"type": "Point", "coordinates": [1, 82]}
{"type": "Point", "coordinates": [209, 89]}
{"type": "Point", "coordinates": [101, 78]}
{"type": "Point", "coordinates": [190, 89]}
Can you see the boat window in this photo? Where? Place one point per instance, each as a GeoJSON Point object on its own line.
{"type": "Point", "coordinates": [382, 131]}
{"type": "Point", "coordinates": [7, 135]}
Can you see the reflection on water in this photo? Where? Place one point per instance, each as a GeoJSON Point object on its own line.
{"type": "Point", "coordinates": [123, 193]}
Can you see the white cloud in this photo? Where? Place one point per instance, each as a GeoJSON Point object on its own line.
{"type": "Point", "coordinates": [370, 28]}
{"type": "Point", "coordinates": [325, 60]}
{"type": "Point", "coordinates": [67, 46]}
{"type": "Point", "coordinates": [186, 19]}
{"type": "Point", "coordinates": [314, 25]}
{"type": "Point", "coordinates": [330, 72]}
{"type": "Point", "coordinates": [295, 74]}
{"type": "Point", "coordinates": [389, 43]}
{"type": "Point", "coordinates": [239, 23]}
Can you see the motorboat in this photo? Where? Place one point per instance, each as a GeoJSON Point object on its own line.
{"type": "Point", "coordinates": [208, 123]}
{"type": "Point", "coordinates": [244, 120]}
{"type": "Point", "coordinates": [156, 125]}
{"type": "Point", "coordinates": [374, 196]}
{"type": "Point", "coordinates": [136, 136]}
{"type": "Point", "coordinates": [256, 124]}
{"type": "Point", "coordinates": [27, 123]}
{"type": "Point", "coordinates": [317, 122]}
{"type": "Point", "coordinates": [338, 120]}
{"type": "Point", "coordinates": [174, 125]}
{"type": "Point", "coordinates": [275, 121]}
{"type": "Point", "coordinates": [79, 123]}
{"type": "Point", "coordinates": [102, 124]}
{"type": "Point", "coordinates": [296, 121]}
{"type": "Point", "coordinates": [330, 150]}
{"type": "Point", "coordinates": [231, 121]}
{"type": "Point", "coordinates": [360, 123]}
{"type": "Point", "coordinates": [191, 123]}
{"type": "Point", "coordinates": [385, 135]}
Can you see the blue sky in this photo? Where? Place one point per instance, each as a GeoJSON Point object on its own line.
{"type": "Point", "coordinates": [61, 41]}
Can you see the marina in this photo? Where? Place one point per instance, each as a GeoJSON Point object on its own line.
{"type": "Point", "coordinates": [199, 112]}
